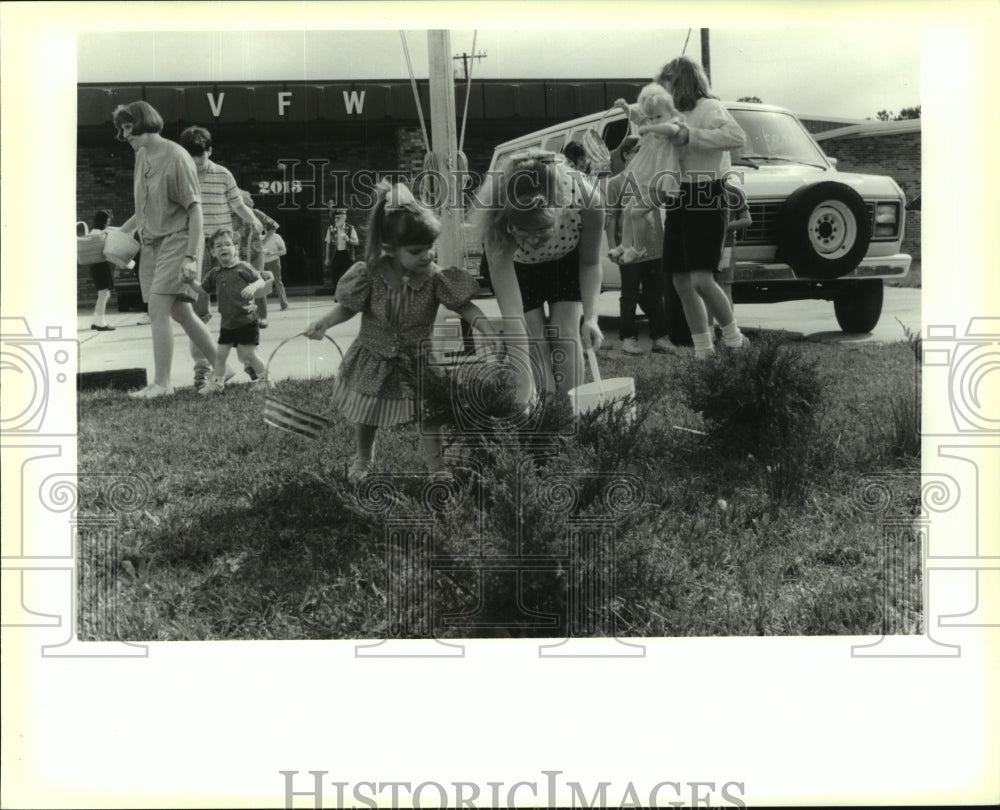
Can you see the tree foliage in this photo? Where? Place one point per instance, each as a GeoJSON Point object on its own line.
{"type": "Point", "coordinates": [906, 114]}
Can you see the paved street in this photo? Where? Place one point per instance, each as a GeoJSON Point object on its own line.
{"type": "Point", "coordinates": [129, 345]}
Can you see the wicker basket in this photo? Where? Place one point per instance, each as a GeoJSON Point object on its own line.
{"type": "Point", "coordinates": [89, 246]}
{"type": "Point", "coordinates": [593, 144]}
{"type": "Point", "coordinates": [283, 415]}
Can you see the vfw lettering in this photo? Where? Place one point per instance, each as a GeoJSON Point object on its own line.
{"type": "Point", "coordinates": [354, 102]}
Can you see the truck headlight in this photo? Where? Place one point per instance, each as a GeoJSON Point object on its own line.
{"type": "Point", "coordinates": [886, 219]}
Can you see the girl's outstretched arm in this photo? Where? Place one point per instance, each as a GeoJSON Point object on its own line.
{"type": "Point", "coordinates": [670, 130]}
{"type": "Point", "coordinates": [338, 315]}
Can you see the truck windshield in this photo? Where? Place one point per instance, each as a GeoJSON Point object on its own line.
{"type": "Point", "coordinates": [776, 136]}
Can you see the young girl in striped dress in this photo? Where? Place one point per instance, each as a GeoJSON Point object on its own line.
{"type": "Point", "coordinates": [397, 289]}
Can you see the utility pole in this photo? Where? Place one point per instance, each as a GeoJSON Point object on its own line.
{"type": "Point", "coordinates": [706, 57]}
{"type": "Point", "coordinates": [444, 146]}
{"type": "Point", "coordinates": [465, 57]}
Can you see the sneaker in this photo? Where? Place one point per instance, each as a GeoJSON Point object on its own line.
{"type": "Point", "coordinates": [213, 385]}
{"type": "Point", "coordinates": [143, 320]}
{"type": "Point", "coordinates": [250, 373]}
{"type": "Point", "coordinates": [284, 307]}
{"type": "Point", "coordinates": [104, 328]}
{"type": "Point", "coordinates": [663, 346]}
{"type": "Point", "coordinates": [744, 342]}
{"type": "Point", "coordinates": [152, 391]}
{"type": "Point", "coordinates": [631, 346]}
{"type": "Point", "coordinates": [358, 469]}
{"type": "Point", "coordinates": [263, 323]}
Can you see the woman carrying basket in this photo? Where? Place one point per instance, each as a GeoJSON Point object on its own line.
{"type": "Point", "coordinates": [397, 289]}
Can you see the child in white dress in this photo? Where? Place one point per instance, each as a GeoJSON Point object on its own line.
{"type": "Point", "coordinates": [653, 175]}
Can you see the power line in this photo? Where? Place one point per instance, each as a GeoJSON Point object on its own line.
{"type": "Point", "coordinates": [465, 57]}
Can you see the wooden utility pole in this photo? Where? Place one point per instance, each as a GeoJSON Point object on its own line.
{"type": "Point", "coordinates": [706, 57]}
{"type": "Point", "coordinates": [444, 146]}
{"type": "Point", "coordinates": [465, 57]}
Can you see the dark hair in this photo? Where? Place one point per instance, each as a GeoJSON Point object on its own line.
{"type": "Point", "coordinates": [629, 142]}
{"type": "Point", "coordinates": [405, 222]}
{"type": "Point", "coordinates": [101, 219]}
{"type": "Point", "coordinates": [223, 231]}
{"type": "Point", "coordinates": [197, 140]}
{"type": "Point", "coordinates": [574, 151]}
{"type": "Point", "coordinates": [688, 82]}
{"type": "Point", "coordinates": [140, 115]}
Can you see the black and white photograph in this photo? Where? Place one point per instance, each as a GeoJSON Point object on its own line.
{"type": "Point", "coordinates": [580, 372]}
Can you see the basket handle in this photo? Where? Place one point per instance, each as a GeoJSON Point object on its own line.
{"type": "Point", "coordinates": [267, 368]}
{"type": "Point", "coordinates": [595, 372]}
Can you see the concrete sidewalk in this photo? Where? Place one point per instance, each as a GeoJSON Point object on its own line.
{"type": "Point", "coordinates": [130, 345]}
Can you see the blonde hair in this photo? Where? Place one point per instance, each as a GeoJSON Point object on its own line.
{"type": "Point", "coordinates": [522, 193]}
{"type": "Point", "coordinates": [654, 98]}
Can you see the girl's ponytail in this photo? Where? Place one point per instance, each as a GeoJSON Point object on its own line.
{"type": "Point", "coordinates": [397, 219]}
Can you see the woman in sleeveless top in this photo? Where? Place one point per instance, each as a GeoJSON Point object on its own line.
{"type": "Point", "coordinates": [541, 231]}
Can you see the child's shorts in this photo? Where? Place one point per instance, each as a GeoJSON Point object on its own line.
{"type": "Point", "coordinates": [246, 335]}
{"type": "Point", "coordinates": [551, 281]}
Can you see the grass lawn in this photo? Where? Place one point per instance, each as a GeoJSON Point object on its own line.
{"type": "Point", "coordinates": [236, 530]}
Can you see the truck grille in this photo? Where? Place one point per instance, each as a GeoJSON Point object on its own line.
{"type": "Point", "coordinates": [764, 228]}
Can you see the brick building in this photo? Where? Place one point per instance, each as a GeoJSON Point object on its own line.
{"type": "Point", "coordinates": [267, 134]}
{"type": "Point", "coordinates": [348, 130]}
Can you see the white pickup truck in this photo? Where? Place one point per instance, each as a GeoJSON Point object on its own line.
{"type": "Point", "coordinates": [817, 233]}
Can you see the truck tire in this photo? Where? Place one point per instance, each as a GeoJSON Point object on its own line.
{"type": "Point", "coordinates": [824, 230]}
{"type": "Point", "coordinates": [859, 306]}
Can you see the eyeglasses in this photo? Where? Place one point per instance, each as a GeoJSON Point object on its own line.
{"type": "Point", "coordinates": [532, 233]}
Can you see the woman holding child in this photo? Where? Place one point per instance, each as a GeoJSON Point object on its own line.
{"type": "Point", "coordinates": [541, 231]}
{"type": "Point", "coordinates": [696, 222]}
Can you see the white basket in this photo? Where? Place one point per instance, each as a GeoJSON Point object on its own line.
{"type": "Point", "coordinates": [120, 247]}
{"type": "Point", "coordinates": [600, 392]}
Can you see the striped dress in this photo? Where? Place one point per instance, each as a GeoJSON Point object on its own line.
{"type": "Point", "coordinates": [377, 382]}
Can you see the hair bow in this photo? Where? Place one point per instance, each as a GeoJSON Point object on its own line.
{"type": "Point", "coordinates": [398, 197]}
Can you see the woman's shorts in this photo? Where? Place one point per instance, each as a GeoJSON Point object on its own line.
{"type": "Point", "coordinates": [160, 267]}
{"type": "Point", "coordinates": [100, 274]}
{"type": "Point", "coordinates": [695, 229]}
{"type": "Point", "coordinates": [551, 281]}
{"type": "Point", "coordinates": [246, 335]}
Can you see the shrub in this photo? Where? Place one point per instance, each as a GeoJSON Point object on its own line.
{"type": "Point", "coordinates": [762, 399]}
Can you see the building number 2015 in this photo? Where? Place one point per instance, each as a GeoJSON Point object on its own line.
{"type": "Point", "coordinates": [279, 187]}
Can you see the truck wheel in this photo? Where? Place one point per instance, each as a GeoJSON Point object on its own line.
{"type": "Point", "coordinates": [859, 306]}
{"type": "Point", "coordinates": [824, 230]}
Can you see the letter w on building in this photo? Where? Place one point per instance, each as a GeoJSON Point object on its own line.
{"type": "Point", "coordinates": [354, 102]}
